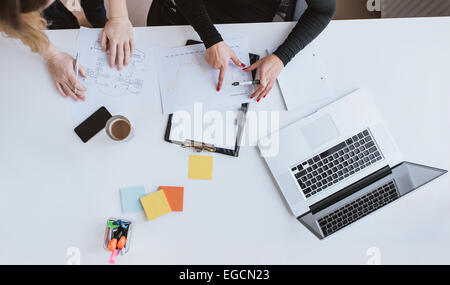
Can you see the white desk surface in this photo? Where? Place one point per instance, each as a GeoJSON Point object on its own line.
{"type": "Point", "coordinates": [56, 192]}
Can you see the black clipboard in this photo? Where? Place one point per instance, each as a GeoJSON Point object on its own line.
{"type": "Point", "coordinates": [201, 146]}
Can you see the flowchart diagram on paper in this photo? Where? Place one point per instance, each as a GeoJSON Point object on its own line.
{"type": "Point", "coordinates": [115, 89]}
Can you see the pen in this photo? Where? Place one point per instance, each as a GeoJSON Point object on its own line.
{"type": "Point", "coordinates": [76, 72]}
{"type": "Point", "coordinates": [246, 83]}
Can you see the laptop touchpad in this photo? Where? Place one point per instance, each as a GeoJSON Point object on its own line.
{"type": "Point", "coordinates": [320, 131]}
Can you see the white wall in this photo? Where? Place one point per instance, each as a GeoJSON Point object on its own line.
{"type": "Point", "coordinates": [137, 10]}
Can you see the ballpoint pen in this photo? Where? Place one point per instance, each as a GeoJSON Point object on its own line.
{"type": "Point", "coordinates": [246, 83]}
{"type": "Point", "coordinates": [76, 72]}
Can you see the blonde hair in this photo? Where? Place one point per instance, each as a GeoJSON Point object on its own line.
{"type": "Point", "coordinates": [21, 19]}
{"type": "Point", "coordinates": [31, 33]}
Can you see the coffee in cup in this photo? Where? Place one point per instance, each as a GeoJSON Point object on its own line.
{"type": "Point", "coordinates": [119, 128]}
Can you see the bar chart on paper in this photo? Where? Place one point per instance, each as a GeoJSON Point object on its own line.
{"type": "Point", "coordinates": [186, 78]}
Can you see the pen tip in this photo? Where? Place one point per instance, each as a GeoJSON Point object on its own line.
{"type": "Point", "coordinates": [235, 83]}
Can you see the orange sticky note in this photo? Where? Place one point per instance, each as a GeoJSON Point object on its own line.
{"type": "Point", "coordinates": [174, 196]}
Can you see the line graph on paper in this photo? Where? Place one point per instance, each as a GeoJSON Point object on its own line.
{"type": "Point", "coordinates": [186, 78]}
{"type": "Point", "coordinates": [194, 64]}
{"type": "Point", "coordinates": [183, 68]}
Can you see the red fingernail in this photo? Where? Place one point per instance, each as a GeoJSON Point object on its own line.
{"type": "Point", "coordinates": [243, 65]}
{"type": "Point", "coordinates": [258, 99]}
{"type": "Point", "coordinates": [218, 88]}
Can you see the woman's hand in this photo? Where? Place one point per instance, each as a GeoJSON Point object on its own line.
{"type": "Point", "coordinates": [218, 56]}
{"type": "Point", "coordinates": [118, 37]}
{"type": "Point", "coordinates": [62, 69]}
{"type": "Point", "coordinates": [269, 69]}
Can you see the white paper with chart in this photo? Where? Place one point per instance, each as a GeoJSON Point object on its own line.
{"type": "Point", "coordinates": [186, 78]}
{"type": "Point", "coordinates": [118, 91]}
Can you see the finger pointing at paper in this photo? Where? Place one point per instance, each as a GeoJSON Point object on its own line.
{"type": "Point", "coordinates": [118, 35]}
{"type": "Point", "coordinates": [269, 69]}
{"type": "Point", "coordinates": [219, 56]}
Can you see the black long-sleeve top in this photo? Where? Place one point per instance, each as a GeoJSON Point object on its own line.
{"type": "Point", "coordinates": [59, 17]}
{"type": "Point", "coordinates": [202, 14]}
{"type": "Point", "coordinates": [95, 12]}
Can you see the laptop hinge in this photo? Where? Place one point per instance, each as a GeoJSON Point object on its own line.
{"type": "Point", "coordinates": [349, 190]}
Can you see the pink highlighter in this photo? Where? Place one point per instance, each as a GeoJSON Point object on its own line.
{"type": "Point", "coordinates": [113, 257]}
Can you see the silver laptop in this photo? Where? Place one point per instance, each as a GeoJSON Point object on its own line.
{"type": "Point", "coordinates": [340, 164]}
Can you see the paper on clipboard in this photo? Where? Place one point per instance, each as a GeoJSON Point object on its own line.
{"type": "Point", "coordinates": [303, 82]}
{"type": "Point", "coordinates": [211, 125]}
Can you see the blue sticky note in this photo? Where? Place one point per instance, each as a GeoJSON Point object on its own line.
{"type": "Point", "coordinates": [130, 198]}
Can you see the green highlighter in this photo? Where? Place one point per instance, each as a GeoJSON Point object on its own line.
{"type": "Point", "coordinates": [112, 225]}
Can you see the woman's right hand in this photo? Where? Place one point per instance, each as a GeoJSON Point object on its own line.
{"type": "Point", "coordinates": [218, 56]}
{"type": "Point", "coordinates": [62, 69]}
{"type": "Point", "coordinates": [118, 37]}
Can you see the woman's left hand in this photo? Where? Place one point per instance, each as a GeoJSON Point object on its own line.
{"type": "Point", "coordinates": [269, 69]}
{"type": "Point", "coordinates": [118, 37]}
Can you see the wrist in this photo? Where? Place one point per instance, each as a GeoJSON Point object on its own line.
{"type": "Point", "coordinates": [278, 60]}
{"type": "Point", "coordinates": [50, 52]}
{"type": "Point", "coordinates": [119, 20]}
{"type": "Point", "coordinates": [216, 45]}
{"type": "Point", "coordinates": [212, 40]}
{"type": "Point", "coordinates": [118, 10]}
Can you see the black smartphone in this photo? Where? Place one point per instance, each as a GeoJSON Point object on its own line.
{"type": "Point", "coordinates": [92, 125]}
{"type": "Point", "coordinates": [193, 42]}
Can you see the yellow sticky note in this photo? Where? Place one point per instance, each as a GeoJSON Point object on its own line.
{"type": "Point", "coordinates": [155, 205]}
{"type": "Point", "coordinates": [200, 167]}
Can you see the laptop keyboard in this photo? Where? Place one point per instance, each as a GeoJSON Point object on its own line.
{"type": "Point", "coordinates": [358, 208]}
{"type": "Point", "coordinates": [339, 162]}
